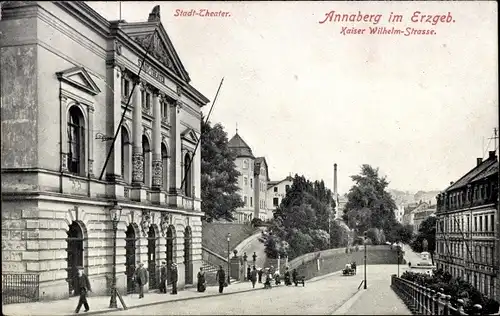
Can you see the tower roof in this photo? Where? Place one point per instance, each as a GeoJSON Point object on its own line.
{"type": "Point", "coordinates": [240, 147]}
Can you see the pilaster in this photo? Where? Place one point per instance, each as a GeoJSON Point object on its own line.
{"type": "Point", "coordinates": [90, 165]}
{"type": "Point", "coordinates": [63, 134]}
{"type": "Point", "coordinates": [175, 173]}
{"type": "Point", "coordinates": [138, 192]}
{"type": "Point", "coordinates": [114, 76]}
{"type": "Point", "coordinates": [157, 161]}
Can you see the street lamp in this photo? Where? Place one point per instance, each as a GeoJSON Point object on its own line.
{"type": "Point", "coordinates": [115, 213]}
{"type": "Point", "coordinates": [364, 286]}
{"type": "Point", "coordinates": [254, 256]}
{"type": "Point", "coordinates": [228, 259]}
{"type": "Point", "coordinates": [245, 274]}
{"type": "Point", "coordinates": [398, 248]}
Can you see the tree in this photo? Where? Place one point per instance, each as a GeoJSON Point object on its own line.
{"type": "Point", "coordinates": [427, 231]}
{"type": "Point", "coordinates": [339, 235]}
{"type": "Point", "coordinates": [219, 177]}
{"type": "Point", "coordinates": [372, 205]}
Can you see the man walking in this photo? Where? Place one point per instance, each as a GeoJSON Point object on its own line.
{"type": "Point", "coordinates": [141, 277]}
{"type": "Point", "coordinates": [173, 278]}
{"type": "Point", "coordinates": [253, 276]}
{"type": "Point", "coordinates": [221, 277]}
{"type": "Point", "coordinates": [84, 286]}
{"type": "Point", "coordinates": [163, 277]}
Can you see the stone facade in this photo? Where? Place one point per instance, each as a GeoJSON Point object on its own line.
{"type": "Point", "coordinates": [253, 179]}
{"type": "Point", "coordinates": [276, 191]}
{"type": "Point", "coordinates": [465, 230]}
{"type": "Point", "coordinates": [66, 77]}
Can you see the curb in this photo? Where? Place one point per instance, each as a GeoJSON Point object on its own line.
{"type": "Point", "coordinates": [344, 308]}
{"type": "Point", "coordinates": [163, 302]}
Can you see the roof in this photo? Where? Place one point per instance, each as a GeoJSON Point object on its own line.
{"type": "Point", "coordinates": [257, 164]}
{"type": "Point", "coordinates": [486, 168]}
{"type": "Point", "coordinates": [240, 147]}
{"type": "Point", "coordinates": [273, 183]}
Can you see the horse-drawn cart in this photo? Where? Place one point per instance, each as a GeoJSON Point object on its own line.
{"type": "Point", "coordinates": [350, 269]}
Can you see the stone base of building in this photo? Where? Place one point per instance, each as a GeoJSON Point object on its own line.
{"type": "Point", "coordinates": [49, 239]}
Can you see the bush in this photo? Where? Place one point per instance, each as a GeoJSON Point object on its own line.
{"type": "Point", "coordinates": [443, 282]}
{"type": "Point", "coordinates": [257, 222]}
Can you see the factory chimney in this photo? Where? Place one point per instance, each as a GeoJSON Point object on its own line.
{"type": "Point", "coordinates": [335, 180]}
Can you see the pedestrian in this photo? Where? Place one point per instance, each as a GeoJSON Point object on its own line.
{"type": "Point", "coordinates": [287, 277]}
{"type": "Point", "coordinates": [141, 277]}
{"type": "Point", "coordinates": [201, 280]}
{"type": "Point", "coordinates": [260, 275]}
{"type": "Point", "coordinates": [84, 287]}
{"type": "Point", "coordinates": [221, 278]}
{"type": "Point", "coordinates": [277, 278]}
{"type": "Point", "coordinates": [163, 277]}
{"type": "Point", "coordinates": [249, 274]}
{"type": "Point", "coordinates": [294, 277]}
{"type": "Point", "coordinates": [409, 264]}
{"type": "Point", "coordinates": [268, 279]}
{"type": "Point", "coordinates": [173, 278]}
{"type": "Point", "coordinates": [253, 276]}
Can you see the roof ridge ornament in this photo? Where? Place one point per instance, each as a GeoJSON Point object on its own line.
{"type": "Point", "coordinates": [154, 16]}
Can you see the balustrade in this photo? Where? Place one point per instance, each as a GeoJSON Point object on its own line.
{"type": "Point", "coordinates": [424, 301]}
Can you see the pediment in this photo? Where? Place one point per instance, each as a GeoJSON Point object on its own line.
{"type": "Point", "coordinates": [159, 44]}
{"type": "Point", "coordinates": [79, 78]}
{"type": "Point", "coordinates": [190, 136]}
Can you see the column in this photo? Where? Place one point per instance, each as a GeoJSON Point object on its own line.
{"type": "Point", "coordinates": [137, 163]}
{"type": "Point", "coordinates": [114, 77]}
{"type": "Point", "coordinates": [157, 162]}
{"type": "Point", "coordinates": [197, 178]}
{"type": "Point", "coordinates": [175, 173]}
{"type": "Point", "coordinates": [90, 149]}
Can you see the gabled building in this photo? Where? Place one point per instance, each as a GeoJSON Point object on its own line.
{"type": "Point", "coordinates": [276, 191]}
{"type": "Point", "coordinates": [465, 234]}
{"type": "Point", "coordinates": [66, 75]}
{"type": "Point", "coordinates": [253, 179]}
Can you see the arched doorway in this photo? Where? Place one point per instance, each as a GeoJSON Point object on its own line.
{"type": "Point", "coordinates": [74, 256]}
{"type": "Point", "coordinates": [188, 264]}
{"type": "Point", "coordinates": [130, 250]}
{"type": "Point", "coordinates": [164, 159]}
{"type": "Point", "coordinates": [152, 257]}
{"type": "Point", "coordinates": [170, 250]}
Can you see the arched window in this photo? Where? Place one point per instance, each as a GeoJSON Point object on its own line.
{"type": "Point", "coordinates": [76, 138]}
{"type": "Point", "coordinates": [187, 176]}
{"type": "Point", "coordinates": [164, 159]}
{"type": "Point", "coordinates": [125, 153]}
{"type": "Point", "coordinates": [146, 161]}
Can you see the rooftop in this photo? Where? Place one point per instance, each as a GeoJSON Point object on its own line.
{"type": "Point", "coordinates": [240, 147]}
{"type": "Point", "coordinates": [481, 171]}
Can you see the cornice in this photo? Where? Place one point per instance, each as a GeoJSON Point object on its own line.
{"type": "Point", "coordinates": [86, 15]}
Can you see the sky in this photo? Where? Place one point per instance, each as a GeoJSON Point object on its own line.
{"type": "Point", "coordinates": [305, 96]}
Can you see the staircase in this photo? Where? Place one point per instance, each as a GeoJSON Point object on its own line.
{"type": "Point", "coordinates": [212, 270]}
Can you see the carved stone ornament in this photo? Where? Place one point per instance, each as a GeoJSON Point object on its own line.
{"type": "Point", "coordinates": [179, 90]}
{"type": "Point", "coordinates": [118, 48]}
{"type": "Point", "coordinates": [64, 162]}
{"type": "Point", "coordinates": [156, 48]}
{"type": "Point", "coordinates": [137, 164]}
{"type": "Point", "coordinates": [145, 222]}
{"type": "Point", "coordinates": [166, 220]}
{"type": "Point", "coordinates": [157, 173]}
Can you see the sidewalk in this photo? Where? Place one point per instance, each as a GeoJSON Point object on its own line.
{"type": "Point", "coordinates": [377, 299]}
{"type": "Point", "coordinates": [100, 304]}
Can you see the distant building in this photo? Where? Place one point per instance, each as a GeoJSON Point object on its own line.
{"type": "Point", "coordinates": [465, 236]}
{"type": "Point", "coordinates": [252, 181]}
{"type": "Point", "coordinates": [276, 191]}
{"type": "Point", "coordinates": [398, 213]}
{"type": "Point", "coordinates": [421, 214]}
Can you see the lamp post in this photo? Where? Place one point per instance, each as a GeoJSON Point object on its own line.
{"type": "Point", "coordinates": [115, 213]}
{"type": "Point", "coordinates": [398, 248]}
{"type": "Point", "coordinates": [228, 259]}
{"type": "Point", "coordinates": [364, 283]}
{"type": "Point", "coordinates": [254, 256]}
{"type": "Point", "coordinates": [245, 274]}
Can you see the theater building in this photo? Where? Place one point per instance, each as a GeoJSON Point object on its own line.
{"type": "Point", "coordinates": [465, 229]}
{"type": "Point", "coordinates": [66, 76]}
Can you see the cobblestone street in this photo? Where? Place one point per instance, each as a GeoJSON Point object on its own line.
{"type": "Point", "coordinates": [322, 296]}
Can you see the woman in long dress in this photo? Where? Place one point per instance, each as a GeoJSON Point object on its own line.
{"type": "Point", "coordinates": [201, 281]}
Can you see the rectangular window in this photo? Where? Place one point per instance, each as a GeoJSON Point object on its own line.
{"type": "Point", "coordinates": [126, 89]}
{"type": "Point", "coordinates": [486, 227]}
{"type": "Point", "coordinates": [245, 181]}
{"type": "Point", "coordinates": [251, 201]}
{"type": "Point", "coordinates": [475, 223]}
{"type": "Point", "coordinates": [480, 223]}
{"type": "Point", "coordinates": [275, 189]}
{"type": "Point", "coordinates": [164, 110]}
{"type": "Point", "coordinates": [251, 183]}
{"type": "Point", "coordinates": [275, 201]}
{"type": "Point", "coordinates": [492, 222]}
{"type": "Point", "coordinates": [287, 187]}
{"type": "Point", "coordinates": [245, 200]}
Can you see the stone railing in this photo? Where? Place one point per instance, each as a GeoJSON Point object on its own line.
{"type": "Point", "coordinates": [213, 258]}
{"type": "Point", "coordinates": [187, 203]}
{"type": "Point", "coordinates": [424, 301]}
